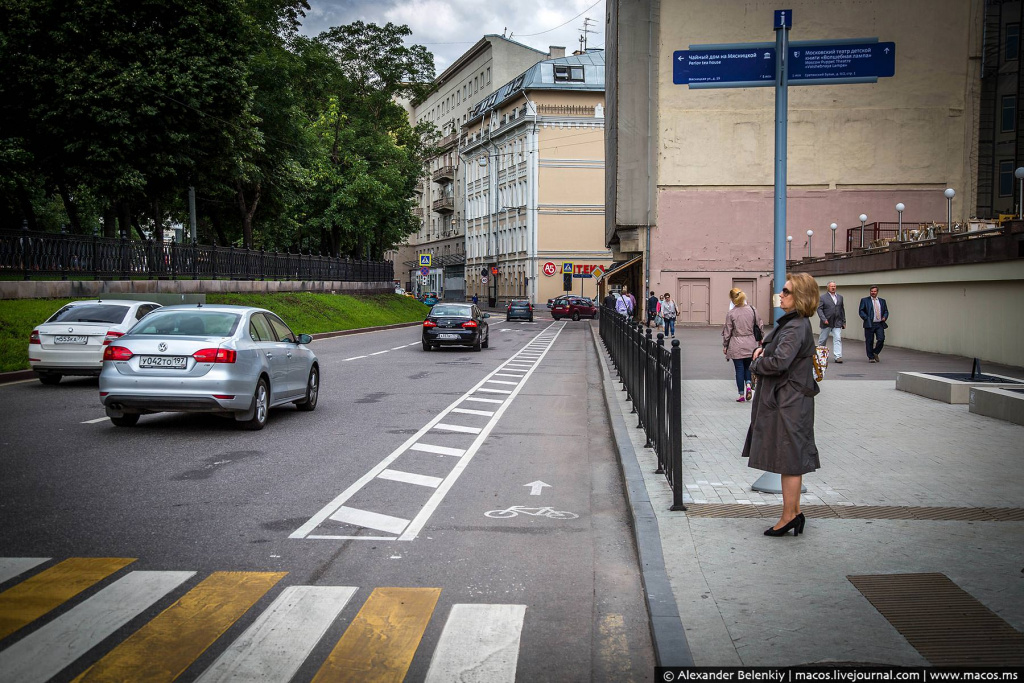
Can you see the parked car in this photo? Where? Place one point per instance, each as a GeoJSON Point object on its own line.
{"type": "Point", "coordinates": [236, 361]}
{"type": "Point", "coordinates": [430, 298]}
{"type": "Point", "coordinates": [574, 307]}
{"type": "Point", "coordinates": [456, 324]}
{"type": "Point", "coordinates": [551, 302]}
{"type": "Point", "coordinates": [520, 309]}
{"type": "Point", "coordinates": [72, 340]}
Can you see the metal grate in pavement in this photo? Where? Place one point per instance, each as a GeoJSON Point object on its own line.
{"type": "Point", "coordinates": [945, 623]}
{"type": "Point", "coordinates": [955, 514]}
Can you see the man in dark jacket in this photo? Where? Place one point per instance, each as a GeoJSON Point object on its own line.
{"type": "Point", "coordinates": [874, 313]}
{"type": "Point", "coordinates": [832, 315]}
{"type": "Point", "coordinates": [609, 300]}
{"type": "Point", "coordinates": [652, 309]}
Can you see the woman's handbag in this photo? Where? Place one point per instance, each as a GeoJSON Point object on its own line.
{"type": "Point", "coordinates": [758, 335]}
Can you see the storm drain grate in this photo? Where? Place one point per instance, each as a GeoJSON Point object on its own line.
{"type": "Point", "coordinates": [945, 623]}
{"type": "Point", "coordinates": [954, 514]}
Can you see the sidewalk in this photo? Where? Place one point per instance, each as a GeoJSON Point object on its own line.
{"type": "Point", "coordinates": [748, 600]}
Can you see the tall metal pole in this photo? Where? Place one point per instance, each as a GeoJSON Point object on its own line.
{"type": "Point", "coordinates": [781, 116]}
{"type": "Point", "coordinates": [192, 213]}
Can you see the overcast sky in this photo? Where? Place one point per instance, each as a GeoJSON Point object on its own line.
{"type": "Point", "coordinates": [450, 27]}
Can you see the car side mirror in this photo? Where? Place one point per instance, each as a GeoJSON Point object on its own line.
{"type": "Point", "coordinates": [486, 315]}
{"type": "Point", "coordinates": [304, 339]}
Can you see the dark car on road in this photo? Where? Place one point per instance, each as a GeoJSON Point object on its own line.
{"type": "Point", "coordinates": [574, 307]}
{"type": "Point", "coordinates": [519, 309]}
{"type": "Point", "coordinates": [456, 325]}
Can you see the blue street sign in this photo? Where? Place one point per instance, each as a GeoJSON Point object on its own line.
{"type": "Point", "coordinates": [821, 62]}
{"type": "Point", "coordinates": [783, 18]}
{"type": "Point", "coordinates": [582, 276]}
{"type": "Point", "coordinates": [746, 65]}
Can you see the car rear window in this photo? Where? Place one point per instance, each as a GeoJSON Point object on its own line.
{"type": "Point", "coordinates": [447, 310]}
{"type": "Point", "coordinates": [90, 313]}
{"type": "Point", "coordinates": [188, 323]}
{"type": "Point", "coordinates": [520, 304]}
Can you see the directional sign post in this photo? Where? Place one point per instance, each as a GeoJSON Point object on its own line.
{"type": "Point", "coordinates": [747, 67]}
{"type": "Point", "coordinates": [825, 63]}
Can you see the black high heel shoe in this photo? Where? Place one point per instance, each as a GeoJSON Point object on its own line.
{"type": "Point", "coordinates": [796, 524]}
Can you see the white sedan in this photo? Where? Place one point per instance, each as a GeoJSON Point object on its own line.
{"type": "Point", "coordinates": [72, 340]}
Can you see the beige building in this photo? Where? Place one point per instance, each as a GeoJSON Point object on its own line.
{"type": "Point", "coordinates": [690, 181]}
{"type": "Point", "coordinates": [460, 89]}
{"type": "Point", "coordinates": [533, 155]}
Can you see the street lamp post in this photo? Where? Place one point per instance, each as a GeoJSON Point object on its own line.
{"type": "Point", "coordinates": [810, 233]}
{"type": "Point", "coordinates": [1019, 174]}
{"type": "Point", "coordinates": [789, 244]}
{"type": "Point", "coordinates": [863, 220]}
{"type": "Point", "coordinates": [899, 210]}
{"type": "Point", "coordinates": [833, 228]}
{"type": "Point", "coordinates": [949, 194]}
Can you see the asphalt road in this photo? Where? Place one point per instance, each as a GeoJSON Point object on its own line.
{"type": "Point", "coordinates": [381, 495]}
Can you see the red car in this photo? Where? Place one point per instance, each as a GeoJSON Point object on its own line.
{"type": "Point", "coordinates": [574, 307]}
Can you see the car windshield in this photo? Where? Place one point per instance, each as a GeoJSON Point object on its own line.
{"type": "Point", "coordinates": [449, 310]}
{"type": "Point", "coordinates": [188, 323]}
{"type": "Point", "coordinates": [90, 313]}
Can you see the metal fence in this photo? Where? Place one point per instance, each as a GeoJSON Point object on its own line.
{"type": "Point", "coordinates": [28, 255]}
{"type": "Point", "coordinates": [650, 376]}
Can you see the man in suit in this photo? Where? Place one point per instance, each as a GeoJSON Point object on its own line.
{"type": "Point", "coordinates": [874, 313]}
{"type": "Point", "coordinates": [832, 315]}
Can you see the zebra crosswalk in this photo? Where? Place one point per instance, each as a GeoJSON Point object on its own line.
{"type": "Point", "coordinates": [71, 608]}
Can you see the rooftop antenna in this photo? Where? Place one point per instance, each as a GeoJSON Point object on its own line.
{"type": "Point", "coordinates": [587, 23]}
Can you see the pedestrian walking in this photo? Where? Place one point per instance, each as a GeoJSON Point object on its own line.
{"type": "Point", "coordinates": [739, 342]}
{"type": "Point", "coordinates": [609, 300]}
{"type": "Point", "coordinates": [668, 314]}
{"type": "Point", "coordinates": [653, 304]}
{"type": "Point", "coordinates": [832, 315]}
{"type": "Point", "coordinates": [630, 301]}
{"type": "Point", "coordinates": [622, 305]}
{"type": "Point", "coordinates": [732, 297]}
{"type": "Point", "coordinates": [874, 313]}
{"type": "Point", "coordinates": [781, 434]}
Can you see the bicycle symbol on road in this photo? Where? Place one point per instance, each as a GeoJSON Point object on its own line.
{"type": "Point", "coordinates": [517, 510]}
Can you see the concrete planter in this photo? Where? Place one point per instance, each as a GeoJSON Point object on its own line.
{"type": "Point", "coordinates": [1001, 404]}
{"type": "Point", "coordinates": [945, 389]}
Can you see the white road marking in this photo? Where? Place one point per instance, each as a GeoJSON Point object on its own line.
{"type": "Point", "coordinates": [457, 428]}
{"type": "Point", "coordinates": [501, 381]}
{"type": "Point", "coordinates": [506, 374]}
{"type": "Point", "coordinates": [397, 348]}
{"type": "Point", "coordinates": [494, 391]}
{"type": "Point", "coordinates": [352, 358]}
{"type": "Point", "coordinates": [440, 450]}
{"type": "Point", "coordinates": [323, 537]}
{"type": "Point", "coordinates": [12, 566]}
{"type": "Point", "coordinates": [410, 478]}
{"type": "Point", "coordinates": [98, 419]}
{"type": "Point", "coordinates": [370, 520]}
{"type": "Point", "coordinates": [483, 400]}
{"type": "Point", "coordinates": [414, 343]}
{"type": "Point", "coordinates": [467, 411]}
{"type": "Point", "coordinates": [480, 643]}
{"type": "Point", "coordinates": [278, 642]}
{"type": "Point", "coordinates": [42, 654]}
{"type": "Point", "coordinates": [379, 352]}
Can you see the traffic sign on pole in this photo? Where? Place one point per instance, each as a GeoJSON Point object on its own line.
{"type": "Point", "coordinates": [567, 267]}
{"type": "Point", "coordinates": [424, 271]}
{"type": "Point", "coordinates": [425, 260]}
{"type": "Point", "coordinates": [742, 65]}
{"type": "Point", "coordinates": [828, 62]}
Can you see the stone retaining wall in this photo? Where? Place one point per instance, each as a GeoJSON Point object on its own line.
{"type": "Point", "coordinates": [57, 289]}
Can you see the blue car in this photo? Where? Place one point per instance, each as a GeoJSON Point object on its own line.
{"type": "Point", "coordinates": [430, 298]}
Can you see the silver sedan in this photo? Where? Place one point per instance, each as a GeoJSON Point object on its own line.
{"type": "Point", "coordinates": [230, 360]}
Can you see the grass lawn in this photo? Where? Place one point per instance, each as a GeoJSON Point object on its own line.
{"type": "Point", "coordinates": [304, 312]}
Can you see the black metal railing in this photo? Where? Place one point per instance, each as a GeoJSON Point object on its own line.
{"type": "Point", "coordinates": [651, 377]}
{"type": "Point", "coordinates": [47, 255]}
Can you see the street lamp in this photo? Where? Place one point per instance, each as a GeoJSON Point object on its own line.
{"type": "Point", "coordinates": [863, 220]}
{"type": "Point", "coordinates": [899, 210]}
{"type": "Point", "coordinates": [833, 228]}
{"type": "Point", "coordinates": [789, 244]}
{"type": "Point", "coordinates": [949, 194]}
{"type": "Point", "coordinates": [810, 233]}
{"type": "Point", "coordinates": [1019, 174]}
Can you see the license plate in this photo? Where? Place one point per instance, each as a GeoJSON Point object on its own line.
{"type": "Point", "coordinates": [65, 339]}
{"type": "Point", "coordinates": [447, 336]}
{"type": "Point", "coordinates": [171, 362]}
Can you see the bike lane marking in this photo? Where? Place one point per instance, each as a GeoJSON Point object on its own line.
{"type": "Point", "coordinates": [336, 510]}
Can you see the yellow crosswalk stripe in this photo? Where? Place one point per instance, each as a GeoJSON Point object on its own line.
{"type": "Point", "coordinates": [379, 645]}
{"type": "Point", "coordinates": [37, 595]}
{"type": "Point", "coordinates": [166, 646]}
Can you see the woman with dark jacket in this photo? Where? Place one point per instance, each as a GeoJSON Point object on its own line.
{"type": "Point", "coordinates": [781, 434]}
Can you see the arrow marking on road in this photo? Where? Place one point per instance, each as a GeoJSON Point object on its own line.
{"type": "Point", "coordinates": [536, 486]}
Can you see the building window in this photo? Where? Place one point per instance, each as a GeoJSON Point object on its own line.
{"type": "Point", "coordinates": [566, 72]}
{"type": "Point", "coordinates": [1011, 46]}
{"type": "Point", "coordinates": [1009, 117]}
{"type": "Point", "coordinates": [1006, 178]}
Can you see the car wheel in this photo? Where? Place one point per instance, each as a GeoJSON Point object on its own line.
{"type": "Point", "coordinates": [487, 341]}
{"type": "Point", "coordinates": [576, 316]}
{"type": "Point", "coordinates": [126, 420]}
{"type": "Point", "coordinates": [556, 318]}
{"type": "Point", "coordinates": [530, 320]}
{"type": "Point", "coordinates": [426, 346]}
{"type": "Point", "coordinates": [478, 345]}
{"type": "Point", "coordinates": [50, 378]}
{"type": "Point", "coordinates": [261, 397]}
{"type": "Point", "coordinates": [312, 391]}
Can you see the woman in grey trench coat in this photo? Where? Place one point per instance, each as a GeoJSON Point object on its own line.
{"type": "Point", "coordinates": [781, 434]}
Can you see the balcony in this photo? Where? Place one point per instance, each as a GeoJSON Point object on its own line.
{"type": "Point", "coordinates": [449, 140]}
{"type": "Point", "coordinates": [443, 173]}
{"type": "Point", "coordinates": [421, 186]}
{"type": "Point", "coordinates": [444, 205]}
{"type": "Point", "coordinates": [418, 212]}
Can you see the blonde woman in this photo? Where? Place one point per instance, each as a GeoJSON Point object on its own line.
{"type": "Point", "coordinates": [781, 434]}
{"type": "Point", "coordinates": [738, 342]}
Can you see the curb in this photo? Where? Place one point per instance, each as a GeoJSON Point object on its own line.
{"type": "Point", "coordinates": [19, 375]}
{"type": "Point", "coordinates": [671, 648]}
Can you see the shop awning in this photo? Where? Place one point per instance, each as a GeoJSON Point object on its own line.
{"type": "Point", "coordinates": [619, 266]}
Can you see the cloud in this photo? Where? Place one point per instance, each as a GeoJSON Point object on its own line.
{"type": "Point", "coordinates": [450, 27]}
